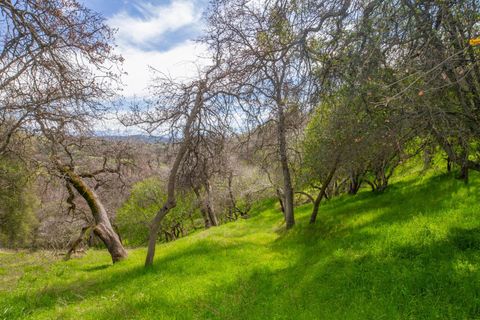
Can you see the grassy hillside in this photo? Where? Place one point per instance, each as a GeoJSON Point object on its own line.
{"type": "Point", "coordinates": [412, 252]}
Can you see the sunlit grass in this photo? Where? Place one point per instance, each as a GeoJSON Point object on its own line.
{"type": "Point", "coordinates": [411, 252]}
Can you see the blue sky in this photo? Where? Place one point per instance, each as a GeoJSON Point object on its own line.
{"type": "Point", "coordinates": [156, 33]}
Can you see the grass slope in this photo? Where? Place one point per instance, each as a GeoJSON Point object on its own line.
{"type": "Point", "coordinates": [409, 253]}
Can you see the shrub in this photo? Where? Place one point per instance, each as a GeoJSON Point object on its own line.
{"type": "Point", "coordinates": [17, 204]}
{"type": "Point", "coordinates": [145, 200]}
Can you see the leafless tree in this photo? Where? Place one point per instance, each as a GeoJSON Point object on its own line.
{"type": "Point", "coordinates": [266, 43]}
{"type": "Point", "coordinates": [56, 64]}
{"type": "Point", "coordinates": [57, 75]}
{"type": "Point", "coordinates": [85, 166]}
{"type": "Point", "coordinates": [204, 160]}
{"type": "Point", "coordinates": [429, 69]}
{"type": "Point", "coordinates": [187, 111]}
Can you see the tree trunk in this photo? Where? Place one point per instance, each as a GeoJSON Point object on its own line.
{"type": "Point", "coordinates": [354, 184]}
{"type": "Point", "coordinates": [206, 217]}
{"type": "Point", "coordinates": [154, 229]}
{"type": "Point", "coordinates": [209, 205]}
{"type": "Point", "coordinates": [234, 210]}
{"type": "Point", "coordinates": [212, 216]}
{"type": "Point", "coordinates": [321, 194]}
{"type": "Point", "coordinates": [381, 180]}
{"type": "Point", "coordinates": [171, 200]}
{"type": "Point", "coordinates": [464, 169]}
{"type": "Point", "coordinates": [103, 228]}
{"type": "Point", "coordinates": [203, 209]}
{"type": "Point", "coordinates": [280, 201]}
{"type": "Point", "coordinates": [76, 243]}
{"type": "Point", "coordinates": [287, 181]}
{"type": "Point", "coordinates": [316, 205]}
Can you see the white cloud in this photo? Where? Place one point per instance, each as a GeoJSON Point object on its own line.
{"type": "Point", "coordinates": [179, 62]}
{"type": "Point", "coordinates": [138, 40]}
{"type": "Point", "coordinates": [154, 21]}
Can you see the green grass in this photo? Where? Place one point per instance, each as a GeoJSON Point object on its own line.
{"type": "Point", "coordinates": [412, 252]}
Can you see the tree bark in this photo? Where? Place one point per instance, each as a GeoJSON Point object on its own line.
{"type": "Point", "coordinates": [234, 210]}
{"type": "Point", "coordinates": [103, 228]}
{"type": "Point", "coordinates": [206, 218]}
{"type": "Point", "coordinates": [464, 168]}
{"type": "Point", "coordinates": [287, 181]}
{"type": "Point", "coordinates": [209, 205]}
{"type": "Point", "coordinates": [321, 194]}
{"type": "Point", "coordinates": [280, 201]}
{"type": "Point", "coordinates": [76, 243]}
{"type": "Point", "coordinates": [171, 199]}
{"type": "Point", "coordinates": [354, 184]}
{"type": "Point", "coordinates": [203, 210]}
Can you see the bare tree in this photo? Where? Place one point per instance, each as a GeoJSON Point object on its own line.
{"type": "Point", "coordinates": [56, 65]}
{"type": "Point", "coordinates": [429, 71]}
{"type": "Point", "coordinates": [204, 160]}
{"type": "Point", "coordinates": [78, 162]}
{"type": "Point", "coordinates": [266, 42]}
{"type": "Point", "coordinates": [57, 75]}
{"type": "Point", "coordinates": [185, 110]}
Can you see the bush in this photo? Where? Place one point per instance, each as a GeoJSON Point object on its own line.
{"type": "Point", "coordinates": [17, 205]}
{"type": "Point", "coordinates": [146, 199]}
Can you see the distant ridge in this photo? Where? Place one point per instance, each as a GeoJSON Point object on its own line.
{"type": "Point", "coordinates": [134, 137]}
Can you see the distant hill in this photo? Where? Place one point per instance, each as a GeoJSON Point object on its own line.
{"type": "Point", "coordinates": [135, 137]}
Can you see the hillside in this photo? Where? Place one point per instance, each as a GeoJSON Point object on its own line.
{"type": "Point", "coordinates": [409, 253]}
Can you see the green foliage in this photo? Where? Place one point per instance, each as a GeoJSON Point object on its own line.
{"type": "Point", "coordinates": [146, 199]}
{"type": "Point", "coordinates": [336, 135]}
{"type": "Point", "coordinates": [17, 204]}
{"type": "Point", "coordinates": [325, 137]}
{"type": "Point", "coordinates": [408, 253]}
{"type": "Point", "coordinates": [362, 142]}
{"type": "Point", "coordinates": [279, 33]}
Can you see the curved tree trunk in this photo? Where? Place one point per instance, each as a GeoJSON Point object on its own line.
{"type": "Point", "coordinates": [316, 206]}
{"type": "Point", "coordinates": [103, 228]}
{"type": "Point", "coordinates": [321, 194]}
{"type": "Point", "coordinates": [171, 199]}
{"type": "Point", "coordinates": [155, 228]}
{"type": "Point", "coordinates": [287, 181]}
{"type": "Point", "coordinates": [76, 243]}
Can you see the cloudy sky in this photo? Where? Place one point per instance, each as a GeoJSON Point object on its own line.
{"type": "Point", "coordinates": [156, 33]}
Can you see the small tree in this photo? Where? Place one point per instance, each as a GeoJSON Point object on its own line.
{"type": "Point", "coordinates": [146, 198]}
{"type": "Point", "coordinates": [185, 110]}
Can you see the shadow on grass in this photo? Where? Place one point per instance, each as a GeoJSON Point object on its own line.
{"type": "Point", "coordinates": [96, 268]}
{"type": "Point", "coordinates": [465, 239]}
{"type": "Point", "coordinates": [401, 202]}
{"type": "Point", "coordinates": [110, 278]}
{"type": "Point", "coordinates": [405, 282]}
{"type": "Point", "coordinates": [329, 271]}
